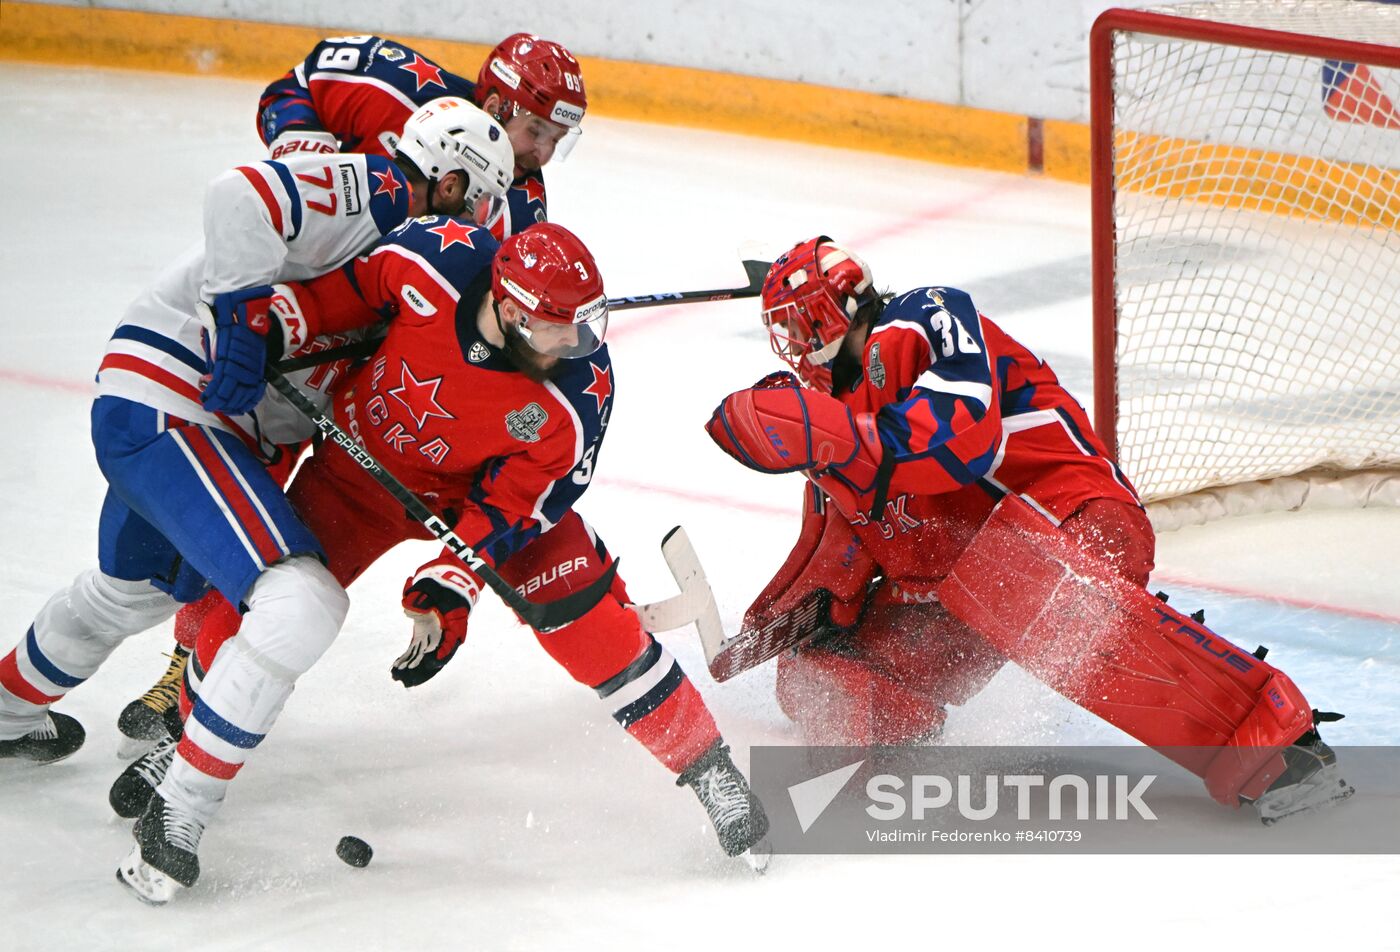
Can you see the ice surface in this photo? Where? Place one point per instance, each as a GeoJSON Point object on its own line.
{"type": "Point", "coordinates": [505, 808]}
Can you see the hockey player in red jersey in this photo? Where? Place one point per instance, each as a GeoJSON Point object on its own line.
{"type": "Point", "coordinates": [962, 512]}
{"type": "Point", "coordinates": [352, 94]}
{"type": "Point", "coordinates": [489, 397]}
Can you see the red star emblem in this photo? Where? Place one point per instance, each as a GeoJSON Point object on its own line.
{"type": "Point", "coordinates": [388, 185]}
{"type": "Point", "coordinates": [424, 72]}
{"type": "Point", "coordinates": [601, 387]}
{"type": "Point", "coordinates": [452, 232]}
{"type": "Point", "coordinates": [420, 396]}
{"type": "Point", "coordinates": [534, 189]}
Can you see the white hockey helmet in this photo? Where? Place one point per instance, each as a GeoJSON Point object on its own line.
{"type": "Point", "coordinates": [449, 135]}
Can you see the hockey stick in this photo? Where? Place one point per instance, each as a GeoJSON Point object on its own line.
{"type": "Point", "coordinates": [755, 269]}
{"type": "Point", "coordinates": [726, 656]}
{"type": "Point", "coordinates": [542, 616]}
{"type": "Point", "coordinates": [696, 602]}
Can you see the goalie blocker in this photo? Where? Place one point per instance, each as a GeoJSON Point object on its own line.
{"type": "Point", "coordinates": [1128, 657]}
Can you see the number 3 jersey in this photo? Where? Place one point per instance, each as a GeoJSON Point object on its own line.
{"type": "Point", "coordinates": [445, 411]}
{"type": "Point", "coordinates": [263, 223]}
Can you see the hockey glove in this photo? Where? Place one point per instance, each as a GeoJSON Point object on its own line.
{"type": "Point", "coordinates": [250, 327]}
{"type": "Point", "coordinates": [826, 579]}
{"type": "Point", "coordinates": [779, 426]}
{"type": "Point", "coordinates": [302, 141]}
{"type": "Point", "coordinates": [439, 614]}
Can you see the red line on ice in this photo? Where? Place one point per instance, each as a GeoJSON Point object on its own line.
{"type": "Point", "coordinates": [43, 382]}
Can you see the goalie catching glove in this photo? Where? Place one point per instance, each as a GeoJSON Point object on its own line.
{"type": "Point", "coordinates": [439, 605]}
{"type": "Point", "coordinates": [247, 328]}
{"type": "Point", "coordinates": [779, 426]}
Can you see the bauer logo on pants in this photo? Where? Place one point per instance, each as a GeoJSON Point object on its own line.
{"type": "Point", "coordinates": [1120, 799]}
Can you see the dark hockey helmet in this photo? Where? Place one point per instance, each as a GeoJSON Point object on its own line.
{"type": "Point", "coordinates": [810, 295]}
{"type": "Point", "coordinates": [549, 273]}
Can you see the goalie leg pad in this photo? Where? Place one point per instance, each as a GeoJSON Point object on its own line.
{"type": "Point", "coordinates": [845, 702]}
{"type": "Point", "coordinates": [1072, 620]}
{"type": "Point", "coordinates": [891, 682]}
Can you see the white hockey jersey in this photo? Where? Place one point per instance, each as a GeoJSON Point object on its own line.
{"type": "Point", "coordinates": [264, 223]}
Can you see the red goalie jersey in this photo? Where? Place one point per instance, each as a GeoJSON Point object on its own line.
{"type": "Point", "coordinates": [960, 405]}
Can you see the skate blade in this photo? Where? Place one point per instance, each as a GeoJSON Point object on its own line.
{"type": "Point", "coordinates": [149, 884]}
{"type": "Point", "coordinates": [758, 856]}
{"type": "Point", "coordinates": [129, 748]}
{"type": "Point", "coordinates": [1322, 790]}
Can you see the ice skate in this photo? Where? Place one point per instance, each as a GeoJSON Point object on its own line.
{"type": "Point", "coordinates": [739, 820]}
{"type": "Point", "coordinates": [165, 855]}
{"type": "Point", "coordinates": [58, 737]}
{"type": "Point", "coordinates": [155, 715]}
{"type": "Point", "coordinates": [1311, 781]}
{"type": "Point", "coordinates": [133, 789]}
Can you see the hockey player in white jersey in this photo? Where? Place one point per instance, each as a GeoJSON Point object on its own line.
{"type": "Point", "coordinates": [190, 503]}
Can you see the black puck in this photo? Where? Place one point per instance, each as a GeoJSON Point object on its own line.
{"type": "Point", "coordinates": [354, 851]}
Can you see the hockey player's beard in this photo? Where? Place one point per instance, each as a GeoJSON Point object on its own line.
{"type": "Point", "coordinates": [526, 359]}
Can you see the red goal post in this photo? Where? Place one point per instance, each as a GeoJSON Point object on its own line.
{"type": "Point", "coordinates": [1246, 238]}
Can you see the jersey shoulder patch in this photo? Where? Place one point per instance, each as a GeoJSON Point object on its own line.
{"type": "Point", "coordinates": [389, 192]}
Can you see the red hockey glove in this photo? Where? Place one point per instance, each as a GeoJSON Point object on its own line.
{"type": "Point", "coordinates": [302, 141]}
{"type": "Point", "coordinates": [439, 612]}
{"type": "Point", "coordinates": [779, 426]}
{"type": "Point", "coordinates": [248, 328]}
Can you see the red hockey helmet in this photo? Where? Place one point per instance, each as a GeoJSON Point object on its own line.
{"type": "Point", "coordinates": [536, 75]}
{"type": "Point", "coordinates": [810, 295]}
{"type": "Point", "coordinates": [548, 272]}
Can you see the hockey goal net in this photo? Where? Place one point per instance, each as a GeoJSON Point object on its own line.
{"type": "Point", "coordinates": [1246, 187]}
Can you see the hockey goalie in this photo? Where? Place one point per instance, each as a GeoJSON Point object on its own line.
{"type": "Point", "coordinates": [961, 513]}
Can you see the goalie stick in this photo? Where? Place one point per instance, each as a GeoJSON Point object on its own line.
{"type": "Point", "coordinates": [755, 269]}
{"type": "Point", "coordinates": [542, 616]}
{"type": "Point", "coordinates": [725, 656]}
{"type": "Point", "coordinates": [696, 602]}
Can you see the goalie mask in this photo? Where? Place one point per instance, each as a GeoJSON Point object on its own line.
{"type": "Point", "coordinates": [536, 76]}
{"type": "Point", "coordinates": [552, 277]}
{"type": "Point", "coordinates": [810, 296]}
{"type": "Point", "coordinates": [451, 135]}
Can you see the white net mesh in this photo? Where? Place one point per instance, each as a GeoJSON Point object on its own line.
{"type": "Point", "coordinates": [1257, 258]}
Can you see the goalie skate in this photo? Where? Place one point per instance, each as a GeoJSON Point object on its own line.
{"type": "Point", "coordinates": [1312, 780]}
